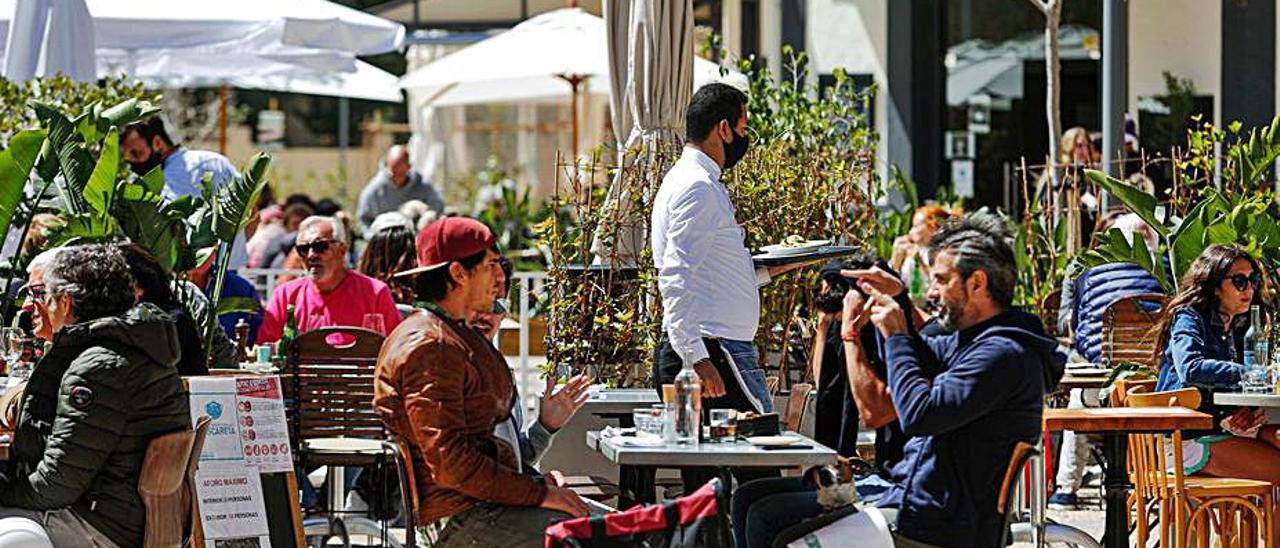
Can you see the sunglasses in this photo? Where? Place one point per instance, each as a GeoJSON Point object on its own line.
{"type": "Point", "coordinates": [36, 292]}
{"type": "Point", "coordinates": [318, 246]}
{"type": "Point", "coordinates": [1242, 282]}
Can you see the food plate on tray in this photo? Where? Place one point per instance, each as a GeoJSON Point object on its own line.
{"type": "Point", "coordinates": [794, 245]}
{"type": "Point", "coordinates": [807, 255]}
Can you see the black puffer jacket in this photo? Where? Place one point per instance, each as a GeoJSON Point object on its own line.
{"type": "Point", "coordinates": [102, 392]}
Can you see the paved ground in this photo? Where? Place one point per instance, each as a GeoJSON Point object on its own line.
{"type": "Point", "coordinates": [1087, 516]}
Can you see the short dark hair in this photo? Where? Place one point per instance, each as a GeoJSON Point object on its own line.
{"type": "Point", "coordinates": [298, 209]}
{"type": "Point", "coordinates": [980, 241]}
{"type": "Point", "coordinates": [433, 285]}
{"type": "Point", "coordinates": [327, 207]}
{"type": "Point", "coordinates": [97, 279]}
{"type": "Point", "coordinates": [299, 198]}
{"type": "Point", "coordinates": [711, 104]}
{"type": "Point", "coordinates": [151, 127]}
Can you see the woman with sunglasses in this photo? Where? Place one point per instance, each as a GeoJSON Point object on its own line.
{"type": "Point", "coordinates": [1200, 344]}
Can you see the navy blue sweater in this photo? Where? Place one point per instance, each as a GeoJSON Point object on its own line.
{"type": "Point", "coordinates": [965, 399]}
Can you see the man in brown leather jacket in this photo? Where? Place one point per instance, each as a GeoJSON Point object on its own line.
{"type": "Point", "coordinates": [442, 388]}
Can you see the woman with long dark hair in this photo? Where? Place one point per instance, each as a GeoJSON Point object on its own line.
{"type": "Point", "coordinates": [391, 249]}
{"type": "Point", "coordinates": [1200, 344]}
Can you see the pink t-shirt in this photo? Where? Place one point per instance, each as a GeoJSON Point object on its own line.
{"type": "Point", "coordinates": [346, 305]}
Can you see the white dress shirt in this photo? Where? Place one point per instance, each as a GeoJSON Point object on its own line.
{"type": "Point", "coordinates": [709, 286]}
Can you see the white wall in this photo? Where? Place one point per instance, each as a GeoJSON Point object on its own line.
{"type": "Point", "coordinates": [853, 34]}
{"type": "Point", "coordinates": [1179, 36]}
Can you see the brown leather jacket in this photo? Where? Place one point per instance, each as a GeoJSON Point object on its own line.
{"type": "Point", "coordinates": [442, 388]}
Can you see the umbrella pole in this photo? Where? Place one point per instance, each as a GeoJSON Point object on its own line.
{"type": "Point", "coordinates": [575, 81]}
{"type": "Point", "coordinates": [223, 92]}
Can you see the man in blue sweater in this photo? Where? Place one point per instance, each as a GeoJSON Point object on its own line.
{"type": "Point", "coordinates": [966, 398]}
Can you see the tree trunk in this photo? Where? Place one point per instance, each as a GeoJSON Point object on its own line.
{"type": "Point", "coordinates": [1053, 92]}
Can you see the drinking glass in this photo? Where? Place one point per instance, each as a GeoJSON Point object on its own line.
{"type": "Point", "coordinates": [724, 426]}
{"type": "Point", "coordinates": [13, 341]}
{"type": "Point", "coordinates": [12, 338]}
{"type": "Point", "coordinates": [648, 422]}
{"type": "Point", "coordinates": [373, 322]}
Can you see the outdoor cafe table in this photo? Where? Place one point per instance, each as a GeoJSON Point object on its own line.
{"type": "Point", "coordinates": [1270, 401]}
{"type": "Point", "coordinates": [1115, 424]}
{"type": "Point", "coordinates": [617, 403]}
{"type": "Point", "coordinates": [638, 463]}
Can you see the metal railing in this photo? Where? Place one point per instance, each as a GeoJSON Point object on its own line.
{"type": "Point", "coordinates": [264, 279]}
{"type": "Point", "coordinates": [525, 284]}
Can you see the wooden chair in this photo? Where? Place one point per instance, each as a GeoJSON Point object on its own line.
{"type": "Point", "coordinates": [1138, 500]}
{"type": "Point", "coordinates": [1022, 452]}
{"type": "Point", "coordinates": [1126, 330]}
{"type": "Point", "coordinates": [793, 417]}
{"type": "Point", "coordinates": [1237, 510]}
{"type": "Point", "coordinates": [771, 383]}
{"type": "Point", "coordinates": [332, 420]}
{"type": "Point", "coordinates": [1048, 312]}
{"type": "Point", "coordinates": [167, 487]}
{"type": "Point", "coordinates": [329, 404]}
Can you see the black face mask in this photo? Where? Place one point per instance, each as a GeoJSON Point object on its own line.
{"type": "Point", "coordinates": [733, 152]}
{"type": "Point", "coordinates": [144, 167]}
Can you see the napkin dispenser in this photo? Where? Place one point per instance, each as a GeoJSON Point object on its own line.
{"type": "Point", "coordinates": [759, 425]}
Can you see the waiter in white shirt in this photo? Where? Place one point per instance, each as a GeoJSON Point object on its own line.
{"type": "Point", "coordinates": [709, 286]}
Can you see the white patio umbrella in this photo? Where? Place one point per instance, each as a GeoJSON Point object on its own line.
{"type": "Point", "coordinates": [167, 24]}
{"type": "Point", "coordinates": [57, 37]}
{"type": "Point", "coordinates": [659, 82]}
{"type": "Point", "coordinates": [182, 69]}
{"type": "Point", "coordinates": [318, 34]}
{"type": "Point", "coordinates": [557, 53]}
{"type": "Point", "coordinates": [561, 48]}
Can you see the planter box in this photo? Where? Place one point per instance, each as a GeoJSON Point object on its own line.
{"type": "Point", "coordinates": [509, 339]}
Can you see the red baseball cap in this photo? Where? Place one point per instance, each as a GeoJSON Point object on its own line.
{"type": "Point", "coordinates": [447, 240]}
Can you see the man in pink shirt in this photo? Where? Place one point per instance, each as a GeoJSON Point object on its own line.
{"type": "Point", "coordinates": [331, 294]}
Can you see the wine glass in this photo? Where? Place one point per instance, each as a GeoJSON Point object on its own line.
{"type": "Point", "coordinates": [13, 341]}
{"type": "Point", "coordinates": [373, 322]}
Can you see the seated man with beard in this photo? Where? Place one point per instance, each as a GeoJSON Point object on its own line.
{"type": "Point", "coordinates": [966, 398]}
{"type": "Point", "coordinates": [851, 388]}
{"type": "Point", "coordinates": [331, 294]}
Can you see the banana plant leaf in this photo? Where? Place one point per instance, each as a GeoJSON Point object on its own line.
{"type": "Point", "coordinates": [69, 156]}
{"type": "Point", "coordinates": [85, 228]}
{"type": "Point", "coordinates": [99, 190]}
{"type": "Point", "coordinates": [1139, 202]}
{"type": "Point", "coordinates": [154, 180]}
{"type": "Point", "coordinates": [16, 164]}
{"type": "Point", "coordinates": [229, 212]}
{"type": "Point", "coordinates": [151, 224]}
{"type": "Point", "coordinates": [234, 201]}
